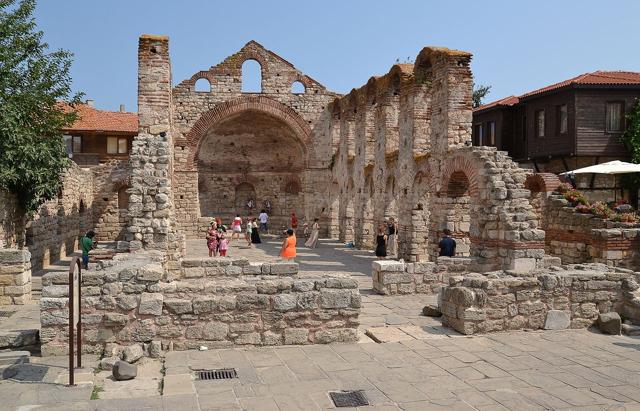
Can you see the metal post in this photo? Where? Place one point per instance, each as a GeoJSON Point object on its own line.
{"type": "Point", "coordinates": [78, 336]}
{"type": "Point", "coordinates": [71, 327]}
{"type": "Point", "coordinates": [79, 302]}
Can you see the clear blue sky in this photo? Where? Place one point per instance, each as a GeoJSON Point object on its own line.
{"type": "Point", "coordinates": [517, 46]}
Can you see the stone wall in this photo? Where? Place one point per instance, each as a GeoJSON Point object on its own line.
{"type": "Point", "coordinates": [503, 301]}
{"type": "Point", "coordinates": [111, 182]}
{"type": "Point", "coordinates": [215, 302]}
{"type": "Point", "coordinates": [15, 277]}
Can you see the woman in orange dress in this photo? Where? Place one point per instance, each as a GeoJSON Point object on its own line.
{"type": "Point", "coordinates": [288, 251]}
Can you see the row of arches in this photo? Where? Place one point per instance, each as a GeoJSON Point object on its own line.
{"type": "Point", "coordinates": [251, 80]}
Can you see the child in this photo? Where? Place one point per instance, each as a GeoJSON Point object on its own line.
{"type": "Point", "coordinates": [224, 245]}
{"type": "Point", "coordinates": [247, 233]}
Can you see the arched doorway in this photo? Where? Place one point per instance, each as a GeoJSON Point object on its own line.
{"type": "Point", "coordinates": [251, 156]}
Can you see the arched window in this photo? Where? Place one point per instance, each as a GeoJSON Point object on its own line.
{"type": "Point", "coordinates": [251, 77]}
{"type": "Point", "coordinates": [292, 187]}
{"type": "Point", "coordinates": [123, 198]}
{"type": "Point", "coordinates": [203, 85]}
{"type": "Point", "coordinates": [458, 185]}
{"type": "Point", "coordinates": [298, 88]}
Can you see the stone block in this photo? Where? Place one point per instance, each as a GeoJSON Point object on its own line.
{"type": "Point", "coordinates": [332, 298]}
{"type": "Point", "coordinates": [557, 320]}
{"type": "Point", "coordinates": [178, 306]}
{"type": "Point", "coordinates": [150, 272]}
{"type": "Point", "coordinates": [284, 302]}
{"type": "Point", "coordinates": [252, 269]}
{"type": "Point", "coordinates": [387, 265]}
{"type": "Point", "coordinates": [151, 303]}
{"type": "Point", "coordinates": [123, 371]}
{"type": "Point", "coordinates": [284, 268]}
{"type": "Point", "coordinates": [215, 331]}
{"type": "Point", "coordinates": [610, 323]}
{"type": "Point", "coordinates": [127, 302]}
{"type": "Point", "coordinates": [115, 318]}
{"type": "Point", "coordinates": [132, 353]}
{"type": "Point", "coordinates": [431, 310]}
{"type": "Point", "coordinates": [204, 305]}
{"type": "Point", "coordinates": [193, 272]}
{"type": "Point", "coordinates": [296, 336]}
{"type": "Point", "coordinates": [249, 339]}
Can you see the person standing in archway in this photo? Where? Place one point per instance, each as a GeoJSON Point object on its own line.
{"type": "Point", "coordinates": [312, 242]}
{"type": "Point", "coordinates": [381, 242]}
{"type": "Point", "coordinates": [264, 218]}
{"type": "Point", "coordinates": [255, 235]}
{"type": "Point", "coordinates": [288, 251]}
{"type": "Point", "coordinates": [392, 237]}
{"type": "Point", "coordinates": [447, 245]}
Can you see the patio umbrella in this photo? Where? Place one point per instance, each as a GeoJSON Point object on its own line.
{"type": "Point", "coordinates": [611, 167]}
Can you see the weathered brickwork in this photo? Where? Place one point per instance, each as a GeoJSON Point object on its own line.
{"type": "Point", "coordinates": [501, 301]}
{"type": "Point", "coordinates": [396, 277]}
{"type": "Point", "coordinates": [215, 302]}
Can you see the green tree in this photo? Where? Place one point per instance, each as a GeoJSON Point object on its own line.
{"type": "Point", "coordinates": [33, 83]}
{"type": "Point", "coordinates": [479, 93]}
{"type": "Point", "coordinates": [631, 140]}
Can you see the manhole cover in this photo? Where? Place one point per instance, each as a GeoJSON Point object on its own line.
{"type": "Point", "coordinates": [349, 398]}
{"type": "Point", "coordinates": [6, 314]}
{"type": "Point", "coordinates": [222, 374]}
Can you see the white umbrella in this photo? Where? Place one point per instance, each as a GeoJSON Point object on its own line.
{"type": "Point", "coordinates": [611, 167]}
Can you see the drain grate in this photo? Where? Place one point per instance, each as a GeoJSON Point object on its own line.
{"type": "Point", "coordinates": [222, 374]}
{"type": "Point", "coordinates": [349, 398]}
{"type": "Point", "coordinates": [6, 314]}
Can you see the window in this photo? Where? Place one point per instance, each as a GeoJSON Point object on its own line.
{"type": "Point", "coordinates": [615, 117]}
{"type": "Point", "coordinates": [562, 119]}
{"type": "Point", "coordinates": [491, 133]}
{"type": "Point", "coordinates": [251, 77]}
{"type": "Point", "coordinates": [539, 123]}
{"type": "Point", "coordinates": [478, 129]}
{"type": "Point", "coordinates": [203, 85]}
{"type": "Point", "coordinates": [117, 145]}
{"type": "Point", "coordinates": [297, 88]}
{"type": "Point", "coordinates": [73, 144]}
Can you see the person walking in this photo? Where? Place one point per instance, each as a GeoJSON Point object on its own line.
{"type": "Point", "coordinates": [288, 251]}
{"type": "Point", "coordinates": [255, 235]}
{"type": "Point", "coordinates": [312, 242]}
{"type": "Point", "coordinates": [447, 245]}
{"type": "Point", "coordinates": [294, 221]}
{"type": "Point", "coordinates": [264, 218]}
{"type": "Point", "coordinates": [223, 244]}
{"type": "Point", "coordinates": [381, 242]}
{"type": "Point", "coordinates": [212, 239]}
{"type": "Point", "coordinates": [248, 230]}
{"type": "Point", "coordinates": [236, 227]}
{"type": "Point", "coordinates": [392, 237]}
{"type": "Point", "coordinates": [87, 244]}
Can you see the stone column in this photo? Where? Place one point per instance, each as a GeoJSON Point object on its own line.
{"type": "Point", "coordinates": [15, 277]}
{"type": "Point", "coordinates": [151, 208]}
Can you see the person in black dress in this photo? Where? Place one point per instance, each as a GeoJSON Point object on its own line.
{"type": "Point", "coordinates": [255, 235]}
{"type": "Point", "coordinates": [381, 243]}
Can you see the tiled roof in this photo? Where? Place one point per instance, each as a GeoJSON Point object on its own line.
{"type": "Point", "coordinates": [92, 119]}
{"type": "Point", "coordinates": [627, 78]}
{"type": "Point", "coordinates": [604, 78]}
{"type": "Point", "coordinates": [507, 101]}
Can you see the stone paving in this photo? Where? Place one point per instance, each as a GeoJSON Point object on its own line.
{"type": "Point", "coordinates": [420, 365]}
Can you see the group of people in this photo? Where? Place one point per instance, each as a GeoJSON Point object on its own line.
{"type": "Point", "coordinates": [387, 241]}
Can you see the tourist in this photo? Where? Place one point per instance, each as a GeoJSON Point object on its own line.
{"type": "Point", "coordinates": [294, 221]}
{"type": "Point", "coordinates": [305, 230]}
{"type": "Point", "coordinates": [288, 251]}
{"type": "Point", "coordinates": [392, 237]}
{"type": "Point", "coordinates": [248, 230]}
{"type": "Point", "coordinates": [381, 242]}
{"type": "Point", "coordinates": [223, 244]}
{"type": "Point", "coordinates": [255, 235]}
{"type": "Point", "coordinates": [312, 242]}
{"type": "Point", "coordinates": [236, 227]}
{"type": "Point", "coordinates": [447, 244]}
{"type": "Point", "coordinates": [263, 217]}
{"type": "Point", "coordinates": [212, 239]}
{"type": "Point", "coordinates": [87, 244]}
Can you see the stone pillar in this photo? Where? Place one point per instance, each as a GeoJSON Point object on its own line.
{"type": "Point", "coordinates": [15, 277]}
{"type": "Point", "coordinates": [151, 208]}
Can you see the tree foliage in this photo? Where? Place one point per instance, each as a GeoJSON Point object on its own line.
{"type": "Point", "coordinates": [479, 92]}
{"type": "Point", "coordinates": [631, 140]}
{"type": "Point", "coordinates": [33, 82]}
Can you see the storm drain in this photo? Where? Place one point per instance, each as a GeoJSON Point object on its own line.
{"type": "Point", "coordinates": [349, 398]}
{"type": "Point", "coordinates": [6, 314]}
{"type": "Point", "coordinates": [222, 374]}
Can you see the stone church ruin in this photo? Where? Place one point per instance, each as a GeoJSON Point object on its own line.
{"type": "Point", "coordinates": [399, 146]}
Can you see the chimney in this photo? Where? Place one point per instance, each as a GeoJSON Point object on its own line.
{"type": "Point", "coordinates": [122, 108]}
{"type": "Point", "coordinates": [89, 102]}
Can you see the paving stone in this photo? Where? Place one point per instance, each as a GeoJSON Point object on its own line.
{"type": "Point", "coordinates": [557, 320]}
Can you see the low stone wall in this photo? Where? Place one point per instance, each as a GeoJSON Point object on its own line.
{"type": "Point", "coordinates": [217, 302]}
{"type": "Point", "coordinates": [395, 277]}
{"type": "Point", "coordinates": [15, 277]}
{"type": "Point", "coordinates": [500, 301]}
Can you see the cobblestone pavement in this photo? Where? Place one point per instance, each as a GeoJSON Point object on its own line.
{"type": "Point", "coordinates": [423, 366]}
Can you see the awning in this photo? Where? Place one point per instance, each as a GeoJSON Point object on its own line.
{"type": "Point", "coordinates": [611, 167]}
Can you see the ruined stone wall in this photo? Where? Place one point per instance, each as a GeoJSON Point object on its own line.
{"type": "Point", "coordinates": [15, 277]}
{"type": "Point", "coordinates": [212, 302]}
{"type": "Point", "coordinates": [56, 228]}
{"type": "Point", "coordinates": [110, 205]}
{"type": "Point", "coordinates": [500, 301]}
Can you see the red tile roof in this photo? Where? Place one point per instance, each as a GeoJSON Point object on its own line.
{"type": "Point", "coordinates": [604, 78]}
{"type": "Point", "coordinates": [92, 119]}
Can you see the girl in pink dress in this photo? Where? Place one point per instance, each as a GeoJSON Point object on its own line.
{"type": "Point", "coordinates": [224, 244]}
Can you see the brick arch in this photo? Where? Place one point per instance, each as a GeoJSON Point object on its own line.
{"type": "Point", "coordinates": [463, 165]}
{"type": "Point", "coordinates": [263, 104]}
{"type": "Point", "coordinates": [542, 182]}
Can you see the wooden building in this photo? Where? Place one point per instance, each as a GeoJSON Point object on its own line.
{"type": "Point", "coordinates": [564, 126]}
{"type": "Point", "coordinates": [99, 135]}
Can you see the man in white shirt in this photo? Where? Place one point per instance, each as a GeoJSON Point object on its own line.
{"type": "Point", "coordinates": [263, 217]}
